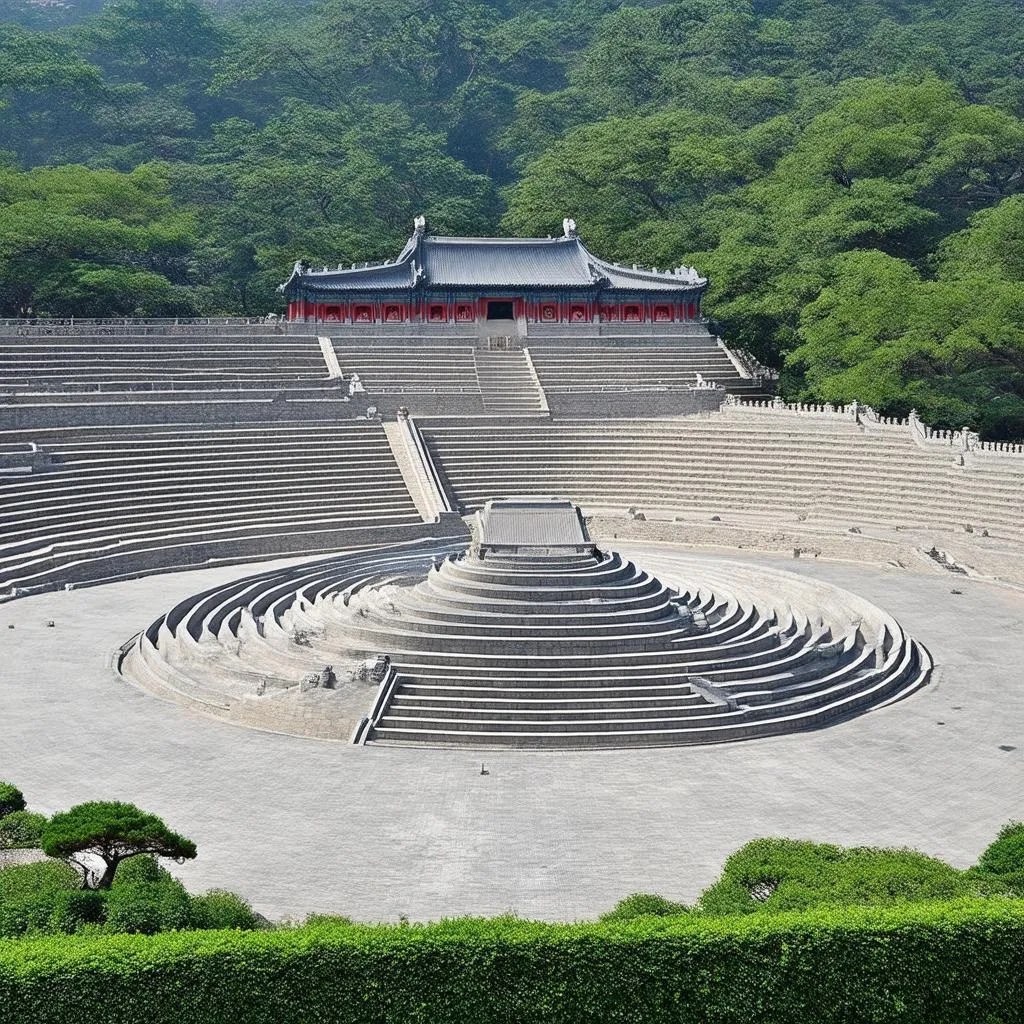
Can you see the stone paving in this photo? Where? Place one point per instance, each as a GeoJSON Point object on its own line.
{"type": "Point", "coordinates": [303, 825]}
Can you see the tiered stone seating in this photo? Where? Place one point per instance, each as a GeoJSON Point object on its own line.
{"type": "Point", "coordinates": [779, 467]}
{"type": "Point", "coordinates": [569, 650]}
{"type": "Point", "coordinates": [99, 365]}
{"type": "Point", "coordinates": [128, 500]}
{"type": "Point", "coordinates": [635, 365]}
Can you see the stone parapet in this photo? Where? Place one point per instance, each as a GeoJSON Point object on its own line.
{"type": "Point", "coordinates": [863, 415]}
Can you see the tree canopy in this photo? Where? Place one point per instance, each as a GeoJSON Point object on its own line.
{"type": "Point", "coordinates": [12, 799]}
{"type": "Point", "coordinates": [113, 832]}
{"type": "Point", "coordinates": [849, 174]}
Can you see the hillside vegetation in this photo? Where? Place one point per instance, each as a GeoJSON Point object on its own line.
{"type": "Point", "coordinates": [849, 174]}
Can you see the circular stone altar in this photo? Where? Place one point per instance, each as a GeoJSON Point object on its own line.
{"type": "Point", "coordinates": [532, 637]}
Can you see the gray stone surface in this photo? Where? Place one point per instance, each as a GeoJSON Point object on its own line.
{"type": "Point", "coordinates": [307, 825]}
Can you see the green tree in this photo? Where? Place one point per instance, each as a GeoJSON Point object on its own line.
{"type": "Point", "coordinates": [47, 93]}
{"type": "Point", "coordinates": [91, 242]}
{"type": "Point", "coordinates": [329, 187]}
{"type": "Point", "coordinates": [880, 333]}
{"type": "Point", "coordinates": [636, 185]}
{"type": "Point", "coordinates": [991, 248]}
{"type": "Point", "coordinates": [890, 167]}
{"type": "Point", "coordinates": [112, 832]}
{"type": "Point", "coordinates": [11, 799]}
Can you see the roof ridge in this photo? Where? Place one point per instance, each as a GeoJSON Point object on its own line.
{"type": "Point", "coordinates": [496, 240]}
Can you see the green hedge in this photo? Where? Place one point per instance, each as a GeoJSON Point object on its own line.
{"type": "Point", "coordinates": [46, 897]}
{"type": "Point", "coordinates": [777, 875]}
{"type": "Point", "coordinates": [1003, 860]}
{"type": "Point", "coordinates": [950, 963]}
{"type": "Point", "coordinates": [37, 897]}
{"type": "Point", "coordinates": [644, 904]}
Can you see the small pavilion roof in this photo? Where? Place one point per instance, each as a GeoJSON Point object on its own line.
{"type": "Point", "coordinates": [449, 262]}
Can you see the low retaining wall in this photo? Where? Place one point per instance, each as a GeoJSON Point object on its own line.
{"type": "Point", "coordinates": [129, 411]}
{"type": "Point", "coordinates": [961, 441]}
{"type": "Point", "coordinates": [420, 403]}
{"type": "Point", "coordinates": [639, 404]}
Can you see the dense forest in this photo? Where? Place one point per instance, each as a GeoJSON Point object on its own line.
{"type": "Point", "coordinates": [849, 173]}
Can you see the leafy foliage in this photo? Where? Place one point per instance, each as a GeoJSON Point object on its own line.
{"type": "Point", "coordinates": [144, 898]}
{"type": "Point", "coordinates": [112, 832]}
{"type": "Point", "coordinates": [1003, 860]}
{"type": "Point", "coordinates": [83, 242]}
{"type": "Point", "coordinates": [957, 963]}
{"type": "Point", "coordinates": [11, 799]}
{"type": "Point", "coordinates": [47, 898]}
{"type": "Point", "coordinates": [21, 830]}
{"type": "Point", "coordinates": [818, 159]}
{"type": "Point", "coordinates": [218, 909]}
{"type": "Point", "coordinates": [777, 875]}
{"type": "Point", "coordinates": [642, 904]}
{"type": "Point", "coordinates": [42, 897]}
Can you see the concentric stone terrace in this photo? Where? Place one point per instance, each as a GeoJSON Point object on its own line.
{"type": "Point", "coordinates": [533, 637]}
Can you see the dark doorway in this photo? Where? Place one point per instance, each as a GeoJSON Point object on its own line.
{"type": "Point", "coordinates": [499, 309]}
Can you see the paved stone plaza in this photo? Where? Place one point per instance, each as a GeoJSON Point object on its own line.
{"type": "Point", "coordinates": [303, 825]}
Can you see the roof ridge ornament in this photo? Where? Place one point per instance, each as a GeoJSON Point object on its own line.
{"type": "Point", "coordinates": [569, 227]}
{"type": "Point", "coordinates": [419, 224]}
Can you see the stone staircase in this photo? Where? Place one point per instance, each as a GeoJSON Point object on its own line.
{"type": "Point", "coordinates": [531, 651]}
{"type": "Point", "coordinates": [507, 386]}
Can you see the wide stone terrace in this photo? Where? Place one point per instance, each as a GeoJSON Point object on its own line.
{"type": "Point", "coordinates": [379, 832]}
{"type": "Point", "coordinates": [81, 365]}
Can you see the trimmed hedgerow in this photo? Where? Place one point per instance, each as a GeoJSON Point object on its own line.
{"type": "Point", "coordinates": [775, 875]}
{"type": "Point", "coordinates": [954, 963]}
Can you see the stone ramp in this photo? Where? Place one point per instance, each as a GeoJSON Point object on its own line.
{"type": "Point", "coordinates": [413, 459]}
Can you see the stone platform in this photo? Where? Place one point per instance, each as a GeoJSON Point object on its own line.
{"type": "Point", "coordinates": [533, 637]}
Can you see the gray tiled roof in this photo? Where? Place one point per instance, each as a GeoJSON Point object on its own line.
{"type": "Point", "coordinates": [442, 262]}
{"type": "Point", "coordinates": [375, 278]}
{"type": "Point", "coordinates": [507, 262]}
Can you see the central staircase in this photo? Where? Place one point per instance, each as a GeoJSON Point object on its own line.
{"type": "Point", "coordinates": [507, 386]}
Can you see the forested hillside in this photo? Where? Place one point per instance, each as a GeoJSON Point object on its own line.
{"type": "Point", "coordinates": [849, 173]}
